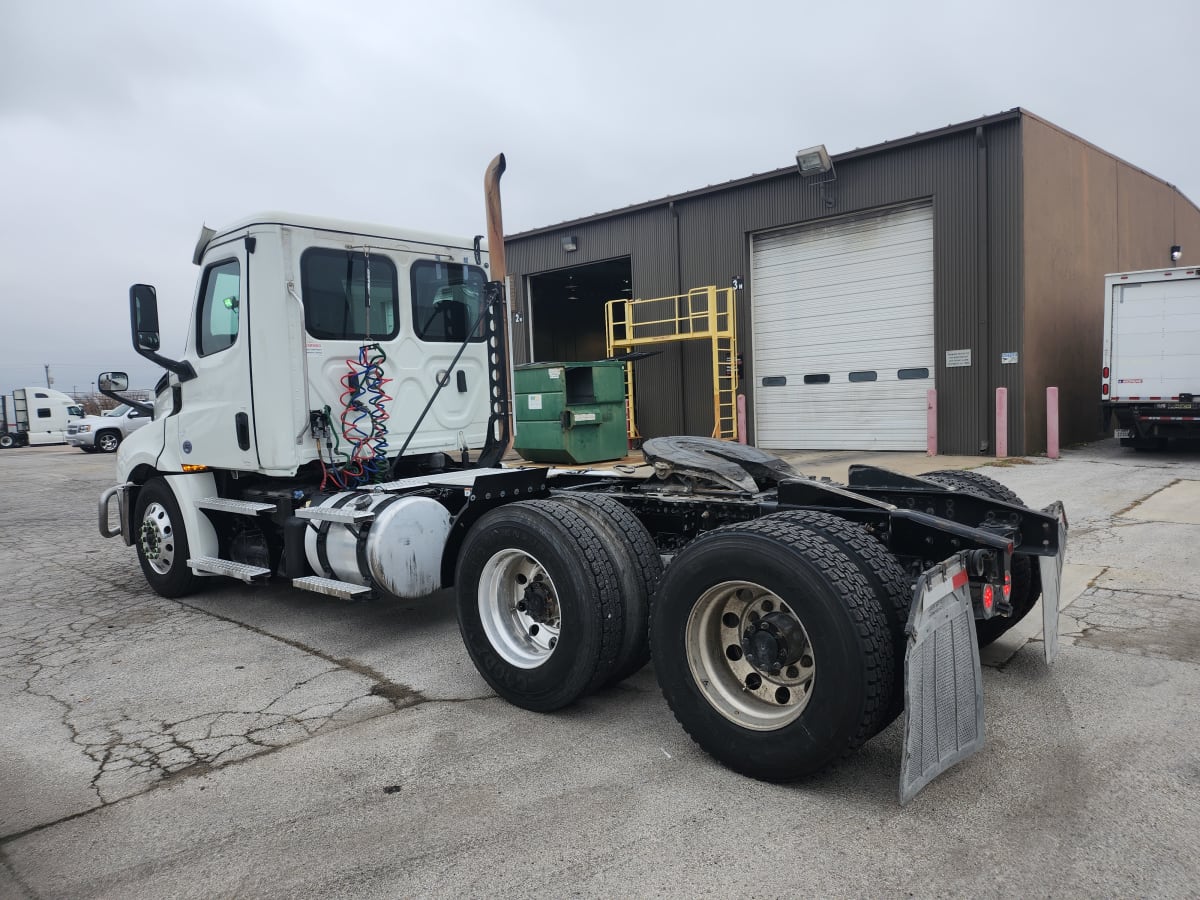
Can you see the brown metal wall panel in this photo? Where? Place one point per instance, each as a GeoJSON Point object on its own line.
{"type": "Point", "coordinates": [1087, 214]}
{"type": "Point", "coordinates": [714, 245]}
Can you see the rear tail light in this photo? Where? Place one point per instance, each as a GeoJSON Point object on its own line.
{"type": "Point", "coordinates": [1104, 371]}
{"type": "Point", "coordinates": [1104, 390]}
{"type": "Point", "coordinates": [989, 598]}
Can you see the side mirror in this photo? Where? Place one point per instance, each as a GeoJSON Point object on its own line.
{"type": "Point", "coordinates": [143, 315]}
{"type": "Point", "coordinates": [143, 320]}
{"type": "Point", "coordinates": [113, 381]}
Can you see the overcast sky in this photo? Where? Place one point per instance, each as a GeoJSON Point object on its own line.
{"type": "Point", "coordinates": [125, 125]}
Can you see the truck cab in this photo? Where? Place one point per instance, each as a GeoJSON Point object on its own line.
{"type": "Point", "coordinates": [309, 332]}
{"type": "Point", "coordinates": [38, 416]}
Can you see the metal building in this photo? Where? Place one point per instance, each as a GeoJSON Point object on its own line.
{"type": "Point", "coordinates": [962, 259]}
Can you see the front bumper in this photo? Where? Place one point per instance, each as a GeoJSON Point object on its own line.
{"type": "Point", "coordinates": [124, 529]}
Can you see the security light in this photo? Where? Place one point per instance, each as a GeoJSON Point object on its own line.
{"type": "Point", "coordinates": [570, 243]}
{"type": "Point", "coordinates": [813, 161]}
{"type": "Point", "coordinates": [1176, 252]}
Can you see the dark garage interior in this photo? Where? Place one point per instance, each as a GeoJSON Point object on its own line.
{"type": "Point", "coordinates": [567, 309]}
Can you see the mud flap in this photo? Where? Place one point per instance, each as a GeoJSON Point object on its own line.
{"type": "Point", "coordinates": [1051, 571]}
{"type": "Point", "coordinates": [943, 684]}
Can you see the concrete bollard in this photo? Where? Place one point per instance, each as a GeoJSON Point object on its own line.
{"type": "Point", "coordinates": [1052, 422]}
{"type": "Point", "coordinates": [931, 423]}
{"type": "Point", "coordinates": [1001, 422]}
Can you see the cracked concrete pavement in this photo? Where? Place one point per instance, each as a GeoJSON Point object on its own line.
{"type": "Point", "coordinates": [262, 742]}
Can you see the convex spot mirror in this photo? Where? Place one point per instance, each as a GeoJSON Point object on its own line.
{"type": "Point", "coordinates": [143, 315]}
{"type": "Point", "coordinates": [113, 381]}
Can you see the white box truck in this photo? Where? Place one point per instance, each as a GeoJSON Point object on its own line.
{"type": "Point", "coordinates": [1150, 376]}
{"type": "Point", "coordinates": [36, 415]}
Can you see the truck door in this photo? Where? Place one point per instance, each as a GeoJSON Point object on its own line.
{"type": "Point", "coordinates": [215, 426]}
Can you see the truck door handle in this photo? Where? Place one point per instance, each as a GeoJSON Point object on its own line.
{"type": "Point", "coordinates": [462, 381]}
{"type": "Point", "coordinates": [242, 424]}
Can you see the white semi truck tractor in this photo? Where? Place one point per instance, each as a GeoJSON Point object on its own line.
{"type": "Point", "coordinates": [339, 417]}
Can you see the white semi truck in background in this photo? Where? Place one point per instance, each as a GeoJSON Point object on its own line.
{"type": "Point", "coordinates": [36, 415]}
{"type": "Point", "coordinates": [1150, 374]}
{"type": "Point", "coordinates": [339, 418]}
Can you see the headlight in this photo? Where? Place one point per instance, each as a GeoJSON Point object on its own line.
{"type": "Point", "coordinates": [84, 429]}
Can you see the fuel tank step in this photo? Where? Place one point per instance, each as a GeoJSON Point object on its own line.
{"type": "Point", "coordinates": [336, 514]}
{"type": "Point", "coordinates": [210, 565]}
{"type": "Point", "coordinates": [344, 590]}
{"type": "Point", "coordinates": [241, 507]}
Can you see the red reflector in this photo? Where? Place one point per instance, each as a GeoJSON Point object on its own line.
{"type": "Point", "coordinates": [988, 597]}
{"type": "Point", "coordinates": [1007, 585]}
{"type": "Point", "coordinates": [1104, 390]}
{"type": "Point", "coordinates": [959, 579]}
{"type": "Point", "coordinates": [1104, 371]}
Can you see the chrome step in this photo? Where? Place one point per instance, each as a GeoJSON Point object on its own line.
{"type": "Point", "coordinates": [341, 514]}
{"type": "Point", "coordinates": [241, 507]}
{"type": "Point", "coordinates": [210, 565]}
{"type": "Point", "coordinates": [345, 590]}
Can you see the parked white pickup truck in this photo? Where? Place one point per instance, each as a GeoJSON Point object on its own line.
{"type": "Point", "coordinates": [105, 432]}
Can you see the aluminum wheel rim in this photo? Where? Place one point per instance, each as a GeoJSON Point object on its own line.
{"type": "Point", "coordinates": [743, 694]}
{"type": "Point", "coordinates": [108, 443]}
{"type": "Point", "coordinates": [521, 639]}
{"type": "Point", "coordinates": [157, 538]}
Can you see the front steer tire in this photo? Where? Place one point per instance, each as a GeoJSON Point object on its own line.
{"type": "Point", "coordinates": [757, 576]}
{"type": "Point", "coordinates": [539, 606]}
{"type": "Point", "coordinates": [161, 540]}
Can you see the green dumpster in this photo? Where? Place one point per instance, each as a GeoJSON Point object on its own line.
{"type": "Point", "coordinates": [571, 412]}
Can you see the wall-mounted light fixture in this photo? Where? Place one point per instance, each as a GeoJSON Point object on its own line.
{"type": "Point", "coordinates": [813, 161]}
{"type": "Point", "coordinates": [1176, 252]}
{"type": "Point", "coordinates": [570, 243]}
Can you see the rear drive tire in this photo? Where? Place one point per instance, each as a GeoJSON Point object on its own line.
{"type": "Point", "coordinates": [1026, 576]}
{"type": "Point", "coordinates": [539, 606]}
{"type": "Point", "coordinates": [771, 648]}
{"type": "Point", "coordinates": [161, 540]}
{"type": "Point", "coordinates": [891, 584]}
{"type": "Point", "coordinates": [108, 441]}
{"type": "Point", "coordinates": [639, 568]}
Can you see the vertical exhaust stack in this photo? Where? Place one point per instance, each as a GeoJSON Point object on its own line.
{"type": "Point", "coordinates": [499, 273]}
{"type": "Point", "coordinates": [495, 221]}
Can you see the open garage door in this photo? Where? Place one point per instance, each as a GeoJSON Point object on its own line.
{"type": "Point", "coordinates": [843, 327]}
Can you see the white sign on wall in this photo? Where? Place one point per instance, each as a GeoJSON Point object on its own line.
{"type": "Point", "coordinates": [958, 358]}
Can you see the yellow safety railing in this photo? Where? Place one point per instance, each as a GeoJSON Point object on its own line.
{"type": "Point", "coordinates": [704, 313]}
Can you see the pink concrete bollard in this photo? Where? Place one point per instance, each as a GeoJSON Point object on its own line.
{"type": "Point", "coordinates": [1052, 422]}
{"type": "Point", "coordinates": [741, 414]}
{"type": "Point", "coordinates": [931, 423]}
{"type": "Point", "coordinates": [1001, 422]}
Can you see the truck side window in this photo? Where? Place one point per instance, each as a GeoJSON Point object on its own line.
{"type": "Point", "coordinates": [446, 300]}
{"type": "Point", "coordinates": [333, 284]}
{"type": "Point", "coordinates": [220, 308]}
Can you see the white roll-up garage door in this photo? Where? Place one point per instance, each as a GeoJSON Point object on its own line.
{"type": "Point", "coordinates": [843, 332]}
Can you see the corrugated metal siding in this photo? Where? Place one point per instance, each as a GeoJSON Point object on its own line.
{"type": "Point", "coordinates": [714, 245]}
